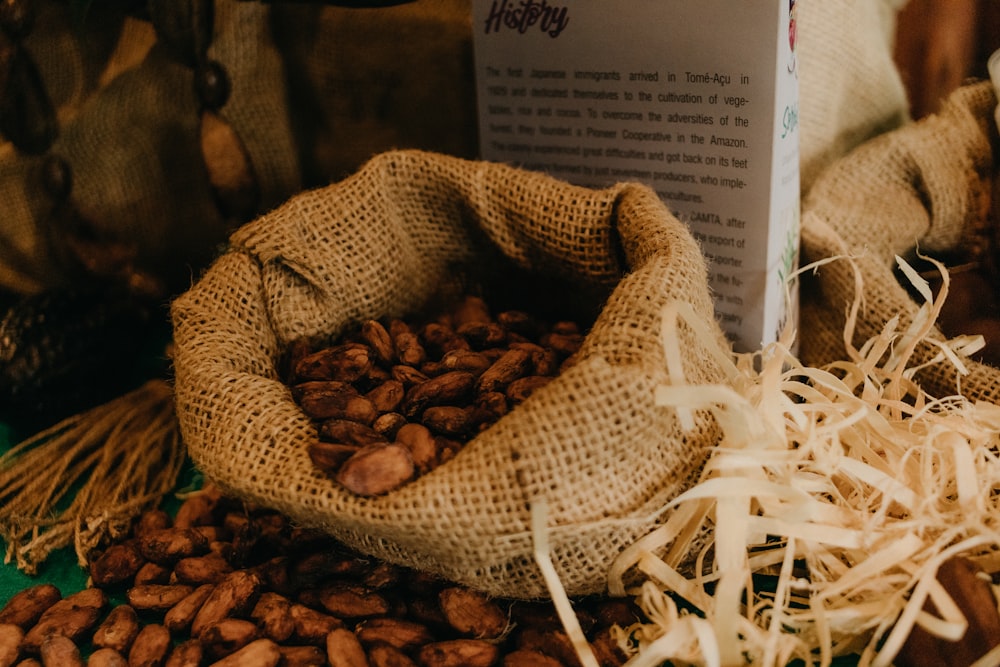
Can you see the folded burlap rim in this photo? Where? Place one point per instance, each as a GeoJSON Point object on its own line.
{"type": "Point", "coordinates": [593, 443]}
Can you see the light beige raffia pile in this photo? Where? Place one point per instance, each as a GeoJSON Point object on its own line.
{"type": "Point", "coordinates": [593, 443]}
{"type": "Point", "coordinates": [919, 187]}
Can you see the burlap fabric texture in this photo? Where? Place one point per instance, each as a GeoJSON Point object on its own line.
{"type": "Point", "coordinates": [592, 443]}
{"type": "Point", "coordinates": [920, 187]}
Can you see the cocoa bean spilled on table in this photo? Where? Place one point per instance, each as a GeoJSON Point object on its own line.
{"type": "Point", "coordinates": [287, 597]}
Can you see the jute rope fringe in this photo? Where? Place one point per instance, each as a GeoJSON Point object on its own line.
{"type": "Point", "coordinates": [102, 468]}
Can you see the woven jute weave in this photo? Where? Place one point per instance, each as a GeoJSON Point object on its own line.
{"type": "Point", "coordinates": [382, 243]}
{"type": "Point", "coordinates": [919, 188]}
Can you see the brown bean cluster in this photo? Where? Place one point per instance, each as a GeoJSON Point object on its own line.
{"type": "Point", "coordinates": [223, 584]}
{"type": "Point", "coordinates": [393, 399]}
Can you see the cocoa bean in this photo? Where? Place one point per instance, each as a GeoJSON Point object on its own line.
{"type": "Point", "coordinates": [452, 388]}
{"type": "Point", "coordinates": [483, 335]}
{"type": "Point", "coordinates": [157, 597]}
{"type": "Point", "coordinates": [106, 657]}
{"type": "Point", "coordinates": [387, 396]}
{"type": "Point", "coordinates": [11, 636]}
{"type": "Point", "coordinates": [60, 651]}
{"type": "Point", "coordinates": [329, 456]}
{"type": "Point", "coordinates": [151, 521]}
{"type": "Point", "coordinates": [233, 596]}
{"type": "Point", "coordinates": [384, 655]}
{"type": "Point", "coordinates": [274, 574]}
{"type": "Point", "coordinates": [188, 653]}
{"type": "Point", "coordinates": [466, 360]}
{"type": "Point", "coordinates": [398, 326]}
{"type": "Point", "coordinates": [519, 322]}
{"type": "Point", "coordinates": [74, 616]}
{"type": "Point", "coordinates": [332, 399]}
{"type": "Point", "coordinates": [348, 432]}
{"type": "Point", "coordinates": [349, 601]}
{"type": "Point", "coordinates": [458, 653]}
{"type": "Point", "coordinates": [259, 653]}
{"type": "Point", "coordinates": [447, 448]}
{"type": "Point", "coordinates": [621, 612]}
{"type": "Point", "coordinates": [208, 569]}
{"type": "Point", "coordinates": [421, 444]}
{"type": "Point", "coordinates": [118, 630]}
{"type": "Point", "coordinates": [169, 545]}
{"type": "Point", "coordinates": [470, 309]}
{"type": "Point", "coordinates": [346, 363]}
{"type": "Point", "coordinates": [432, 369]}
{"type": "Point", "coordinates": [472, 613]}
{"type": "Point", "coordinates": [227, 636]}
{"type": "Point", "coordinates": [382, 575]}
{"type": "Point", "coordinates": [513, 364]}
{"type": "Point", "coordinates": [376, 376]}
{"type": "Point", "coordinates": [302, 656]}
{"type": "Point", "coordinates": [151, 647]}
{"type": "Point", "coordinates": [449, 420]}
{"type": "Point", "coordinates": [343, 649]}
{"type": "Point", "coordinates": [404, 635]}
{"type": "Point", "coordinates": [529, 658]}
{"type": "Point", "coordinates": [118, 563]}
{"type": "Point", "coordinates": [555, 643]}
{"type": "Point", "coordinates": [544, 360]}
{"type": "Point", "coordinates": [566, 328]}
{"type": "Point", "coordinates": [25, 607]}
{"type": "Point", "coordinates": [198, 509]}
{"type": "Point", "coordinates": [973, 594]}
{"type": "Point", "coordinates": [408, 349]}
{"type": "Point", "coordinates": [409, 376]}
{"type": "Point", "coordinates": [388, 424]}
{"type": "Point", "coordinates": [441, 339]}
{"type": "Point", "coordinates": [308, 569]}
{"type": "Point", "coordinates": [377, 469]}
{"type": "Point", "coordinates": [311, 626]}
{"type": "Point", "coordinates": [273, 615]}
{"type": "Point", "coordinates": [488, 408]}
{"type": "Point", "coordinates": [564, 343]}
{"type": "Point", "coordinates": [377, 338]}
{"type": "Point", "coordinates": [521, 388]}
{"type": "Point", "coordinates": [152, 573]}
{"type": "Point", "coordinates": [606, 649]}
{"type": "Point", "coordinates": [178, 618]}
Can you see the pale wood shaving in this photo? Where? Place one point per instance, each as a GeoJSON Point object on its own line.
{"type": "Point", "coordinates": [829, 504]}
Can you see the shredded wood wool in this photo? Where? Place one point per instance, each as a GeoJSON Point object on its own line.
{"type": "Point", "coordinates": [83, 480]}
{"type": "Point", "coordinates": [821, 518]}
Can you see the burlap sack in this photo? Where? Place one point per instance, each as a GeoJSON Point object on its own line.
{"type": "Point", "coordinates": [381, 243]}
{"type": "Point", "coordinates": [922, 187]}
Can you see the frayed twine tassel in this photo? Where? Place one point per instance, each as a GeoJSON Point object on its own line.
{"type": "Point", "coordinates": [83, 480]}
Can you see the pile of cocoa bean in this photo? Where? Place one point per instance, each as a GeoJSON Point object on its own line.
{"type": "Point", "coordinates": [221, 583]}
{"type": "Point", "coordinates": [392, 399]}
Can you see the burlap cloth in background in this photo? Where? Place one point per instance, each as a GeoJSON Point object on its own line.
{"type": "Point", "coordinates": [849, 87]}
{"type": "Point", "coordinates": [381, 243]}
{"type": "Point", "coordinates": [129, 129]}
{"type": "Point", "coordinates": [918, 187]}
